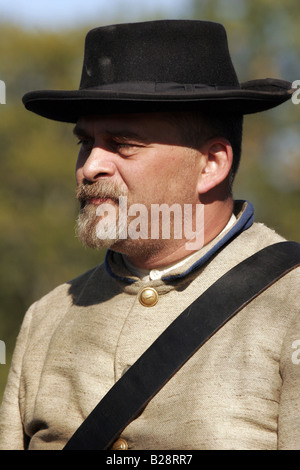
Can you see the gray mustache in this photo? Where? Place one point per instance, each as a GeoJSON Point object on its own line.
{"type": "Point", "coordinates": [100, 189]}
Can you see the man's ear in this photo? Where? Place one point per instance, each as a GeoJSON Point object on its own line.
{"type": "Point", "coordinates": [217, 158]}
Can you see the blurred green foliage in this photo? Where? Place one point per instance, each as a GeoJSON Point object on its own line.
{"type": "Point", "coordinates": [38, 246]}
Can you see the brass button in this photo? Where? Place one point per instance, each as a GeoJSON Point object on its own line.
{"type": "Point", "coordinates": [120, 444]}
{"type": "Point", "coordinates": [148, 297]}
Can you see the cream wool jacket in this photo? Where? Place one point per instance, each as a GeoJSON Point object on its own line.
{"type": "Point", "coordinates": [241, 390]}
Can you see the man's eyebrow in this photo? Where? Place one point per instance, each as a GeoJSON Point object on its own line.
{"type": "Point", "coordinates": [123, 134]}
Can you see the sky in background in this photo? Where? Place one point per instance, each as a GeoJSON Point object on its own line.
{"type": "Point", "coordinates": [52, 14]}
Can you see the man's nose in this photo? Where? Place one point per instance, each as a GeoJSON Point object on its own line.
{"type": "Point", "coordinates": [99, 164]}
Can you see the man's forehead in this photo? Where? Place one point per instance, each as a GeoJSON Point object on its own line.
{"type": "Point", "coordinates": [130, 125]}
{"type": "Point", "coordinates": [123, 117]}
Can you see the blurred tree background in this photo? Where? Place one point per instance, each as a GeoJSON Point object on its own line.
{"type": "Point", "coordinates": [39, 249]}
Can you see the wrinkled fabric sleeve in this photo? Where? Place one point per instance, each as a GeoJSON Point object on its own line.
{"type": "Point", "coordinates": [12, 435]}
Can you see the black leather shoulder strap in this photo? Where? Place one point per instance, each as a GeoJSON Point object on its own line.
{"type": "Point", "coordinates": [191, 329]}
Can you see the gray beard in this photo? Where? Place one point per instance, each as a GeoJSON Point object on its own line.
{"type": "Point", "coordinates": [87, 229]}
{"type": "Point", "coordinates": [94, 235]}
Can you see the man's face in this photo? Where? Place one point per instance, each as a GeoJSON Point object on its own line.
{"type": "Point", "coordinates": [139, 157]}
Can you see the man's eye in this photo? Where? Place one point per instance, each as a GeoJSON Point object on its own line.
{"type": "Point", "coordinates": [86, 145]}
{"type": "Point", "coordinates": [125, 148]}
{"type": "Point", "coordinates": [83, 142]}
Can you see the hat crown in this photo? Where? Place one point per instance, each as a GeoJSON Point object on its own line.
{"type": "Point", "coordinates": [166, 51]}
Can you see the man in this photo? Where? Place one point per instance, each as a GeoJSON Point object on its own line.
{"type": "Point", "coordinates": [159, 120]}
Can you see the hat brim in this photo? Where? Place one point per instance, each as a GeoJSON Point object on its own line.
{"type": "Point", "coordinates": [68, 106]}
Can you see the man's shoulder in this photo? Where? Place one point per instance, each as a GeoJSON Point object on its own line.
{"type": "Point", "coordinates": [260, 234]}
{"type": "Point", "coordinates": [251, 241]}
{"type": "Point", "coordinates": [255, 238]}
{"type": "Point", "coordinates": [66, 292]}
{"type": "Point", "coordinates": [45, 314]}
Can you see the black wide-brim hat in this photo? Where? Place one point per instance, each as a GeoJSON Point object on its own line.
{"type": "Point", "coordinates": [165, 65]}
